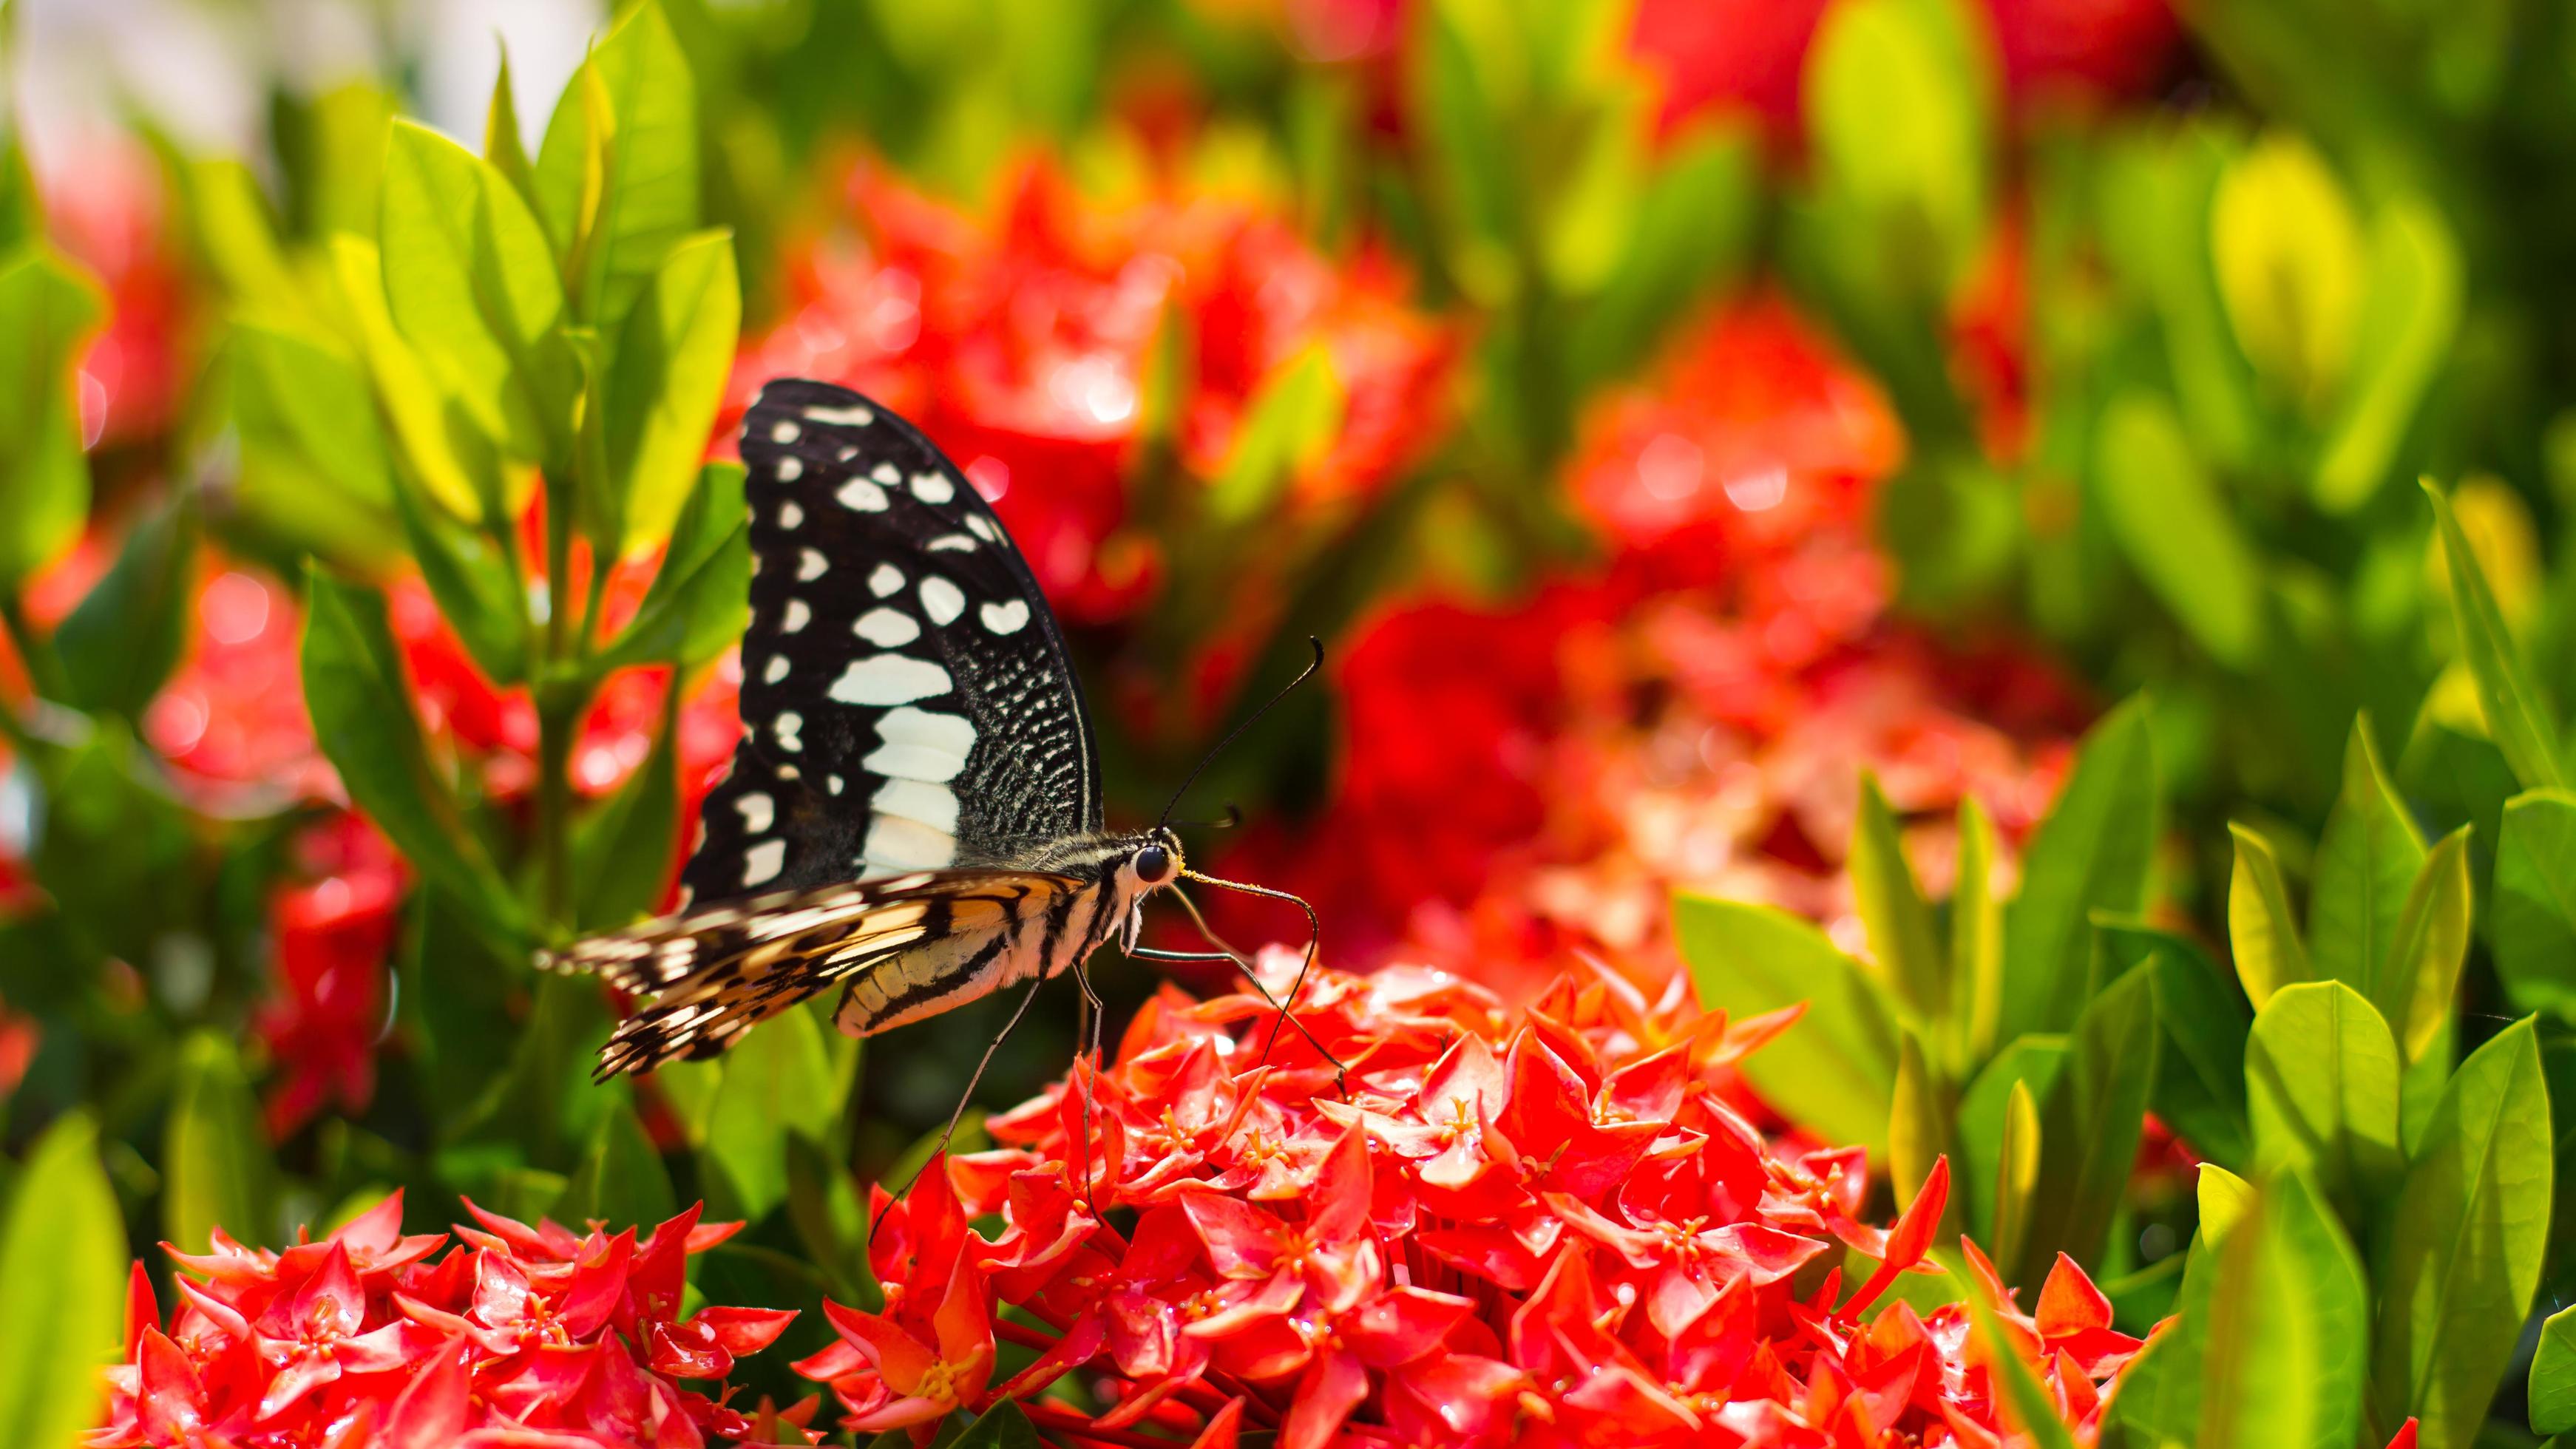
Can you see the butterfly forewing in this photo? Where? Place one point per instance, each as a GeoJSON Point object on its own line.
{"type": "Point", "coordinates": [907, 699]}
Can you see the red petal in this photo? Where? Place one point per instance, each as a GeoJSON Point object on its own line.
{"type": "Point", "coordinates": [501, 1291]}
{"type": "Point", "coordinates": [1910, 1239]}
{"type": "Point", "coordinates": [1225, 1426]}
{"type": "Point", "coordinates": [1242, 1240]}
{"type": "Point", "coordinates": [169, 1399]}
{"type": "Point", "coordinates": [375, 1231]}
{"type": "Point", "coordinates": [142, 1309]}
{"type": "Point", "coordinates": [1334, 1384]}
{"type": "Point", "coordinates": [597, 1285]}
{"type": "Point", "coordinates": [331, 1302]}
{"type": "Point", "coordinates": [1338, 1210]}
{"type": "Point", "coordinates": [1403, 1324]}
{"type": "Point", "coordinates": [896, 1355]}
{"type": "Point", "coordinates": [2405, 1436]}
{"type": "Point", "coordinates": [2069, 1303]}
{"type": "Point", "coordinates": [745, 1331]}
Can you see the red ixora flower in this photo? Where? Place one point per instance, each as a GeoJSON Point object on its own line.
{"type": "Point", "coordinates": [1538, 1228]}
{"type": "Point", "coordinates": [519, 1337]}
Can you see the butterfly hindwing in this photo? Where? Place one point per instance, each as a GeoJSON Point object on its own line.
{"type": "Point", "coordinates": [911, 945]}
{"type": "Point", "coordinates": [907, 699]}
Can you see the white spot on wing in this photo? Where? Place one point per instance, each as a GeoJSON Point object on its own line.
{"type": "Point", "coordinates": [832, 783]}
{"type": "Point", "coordinates": [932, 488]}
{"type": "Point", "coordinates": [942, 600]}
{"type": "Point", "coordinates": [887, 628]}
{"type": "Point", "coordinates": [885, 473]}
{"type": "Point", "coordinates": [920, 744]}
{"type": "Point", "coordinates": [889, 679]}
{"type": "Point", "coordinates": [758, 812]}
{"type": "Point", "coordinates": [790, 468]}
{"type": "Point", "coordinates": [897, 842]}
{"type": "Point", "coordinates": [1005, 618]}
{"type": "Point", "coordinates": [761, 863]}
{"type": "Point", "coordinates": [775, 670]}
{"type": "Point", "coordinates": [810, 564]}
{"type": "Point", "coordinates": [848, 417]}
{"type": "Point", "coordinates": [785, 727]}
{"type": "Point", "coordinates": [982, 527]}
{"type": "Point", "coordinates": [848, 453]}
{"type": "Point", "coordinates": [797, 615]}
{"type": "Point", "coordinates": [884, 580]}
{"type": "Point", "coordinates": [784, 432]}
{"type": "Point", "coordinates": [932, 805]}
{"type": "Point", "coordinates": [862, 496]}
{"type": "Point", "coordinates": [790, 514]}
{"type": "Point", "coordinates": [952, 543]}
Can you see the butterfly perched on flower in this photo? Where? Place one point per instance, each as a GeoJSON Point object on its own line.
{"type": "Point", "coordinates": [914, 813]}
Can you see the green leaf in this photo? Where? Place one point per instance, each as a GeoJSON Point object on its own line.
{"type": "Point", "coordinates": [215, 1163]}
{"type": "Point", "coordinates": [2222, 1197]}
{"type": "Point", "coordinates": [542, 1113]}
{"type": "Point", "coordinates": [2518, 719]}
{"type": "Point", "coordinates": [1695, 225]}
{"type": "Point", "coordinates": [647, 197]}
{"type": "Point", "coordinates": [621, 1181]}
{"type": "Point", "coordinates": [2159, 1400]}
{"type": "Point", "coordinates": [1918, 1126]}
{"type": "Point", "coordinates": [230, 217]}
{"type": "Point", "coordinates": [1893, 913]}
{"type": "Point", "coordinates": [2200, 1062]}
{"type": "Point", "coordinates": [2091, 854]}
{"type": "Point", "coordinates": [1002, 1427]}
{"type": "Point", "coordinates": [2018, 1154]}
{"type": "Point", "coordinates": [778, 1083]}
{"type": "Point", "coordinates": [2285, 1328]}
{"type": "Point", "coordinates": [1984, 1109]}
{"type": "Point", "coordinates": [62, 1288]}
{"type": "Point", "coordinates": [2532, 917]}
{"type": "Point", "coordinates": [48, 308]}
{"type": "Point", "coordinates": [2420, 978]}
{"type": "Point", "coordinates": [473, 288]}
{"type": "Point", "coordinates": [2289, 262]}
{"type": "Point", "coordinates": [2090, 1124]}
{"type": "Point", "coordinates": [1976, 940]}
{"type": "Point", "coordinates": [2367, 859]}
{"type": "Point", "coordinates": [442, 449]}
{"type": "Point", "coordinates": [314, 467]}
{"type": "Point", "coordinates": [504, 140]}
{"type": "Point", "coordinates": [2409, 315]}
{"type": "Point", "coordinates": [1833, 1071]}
{"type": "Point", "coordinates": [1292, 420]}
{"type": "Point", "coordinates": [2552, 1395]}
{"type": "Point", "coordinates": [2260, 928]}
{"type": "Point", "coordinates": [624, 853]}
{"type": "Point", "coordinates": [696, 606]}
{"type": "Point", "coordinates": [673, 358]}
{"type": "Point", "coordinates": [1895, 98]}
{"type": "Point", "coordinates": [2466, 1244]}
{"type": "Point", "coordinates": [119, 646]}
{"type": "Point", "coordinates": [2026, 1403]}
{"type": "Point", "coordinates": [2321, 1092]}
{"type": "Point", "coordinates": [2168, 516]}
{"type": "Point", "coordinates": [474, 585]}
{"type": "Point", "coordinates": [355, 689]}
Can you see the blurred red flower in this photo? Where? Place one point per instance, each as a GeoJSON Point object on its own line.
{"type": "Point", "coordinates": [333, 933]}
{"type": "Point", "coordinates": [104, 206]}
{"type": "Point", "coordinates": [520, 1336]}
{"type": "Point", "coordinates": [1544, 1227]}
{"type": "Point", "coordinates": [1048, 345]}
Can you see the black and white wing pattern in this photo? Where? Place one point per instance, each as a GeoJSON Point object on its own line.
{"type": "Point", "coordinates": [907, 701]}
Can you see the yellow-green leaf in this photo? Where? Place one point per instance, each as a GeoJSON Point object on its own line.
{"type": "Point", "coordinates": [62, 1290]}
{"type": "Point", "coordinates": [2285, 1328]}
{"type": "Point", "coordinates": [1892, 910]}
{"type": "Point", "coordinates": [2420, 977]}
{"type": "Point", "coordinates": [2518, 718]}
{"type": "Point", "coordinates": [2178, 531]}
{"type": "Point", "coordinates": [668, 379]}
{"type": "Point", "coordinates": [2223, 1198]}
{"type": "Point", "coordinates": [2321, 1092]}
{"type": "Point", "coordinates": [47, 309]}
{"type": "Point", "coordinates": [2409, 313]}
{"type": "Point", "coordinates": [2260, 928]}
{"type": "Point", "coordinates": [1835, 1069]}
{"type": "Point", "coordinates": [2289, 265]}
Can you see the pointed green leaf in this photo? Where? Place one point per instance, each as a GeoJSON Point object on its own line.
{"type": "Point", "coordinates": [2091, 1121]}
{"type": "Point", "coordinates": [2518, 718]}
{"type": "Point", "coordinates": [1294, 416]}
{"type": "Point", "coordinates": [62, 1290]}
{"type": "Point", "coordinates": [2223, 1198]}
{"type": "Point", "coordinates": [648, 197]}
{"type": "Point", "coordinates": [2409, 315]}
{"type": "Point", "coordinates": [48, 307]}
{"type": "Point", "coordinates": [696, 606]}
{"type": "Point", "coordinates": [2466, 1244]}
{"type": "Point", "coordinates": [504, 140]}
{"type": "Point", "coordinates": [2420, 982]}
{"type": "Point", "coordinates": [1835, 1070]}
{"type": "Point", "coordinates": [2321, 1092]}
{"type": "Point", "coordinates": [473, 288]}
{"type": "Point", "coordinates": [1002, 1427]}
{"type": "Point", "coordinates": [1984, 1111]}
{"type": "Point", "coordinates": [673, 358]}
{"type": "Point", "coordinates": [476, 591]}
{"type": "Point", "coordinates": [1918, 1128]}
{"type": "Point", "coordinates": [2532, 918]}
{"type": "Point", "coordinates": [2180, 534]}
{"type": "Point", "coordinates": [2027, 1406]}
{"type": "Point", "coordinates": [314, 467]}
{"type": "Point", "coordinates": [2285, 1324]}
{"type": "Point", "coordinates": [2260, 928]}
{"type": "Point", "coordinates": [215, 1164]}
{"type": "Point", "coordinates": [2017, 1166]}
{"type": "Point", "coordinates": [2367, 859]}
{"type": "Point", "coordinates": [1893, 912]}
{"type": "Point", "coordinates": [2553, 1375]}
{"type": "Point", "coordinates": [441, 448]}
{"type": "Point", "coordinates": [361, 705]}
{"type": "Point", "coordinates": [120, 644]}
{"type": "Point", "coordinates": [2200, 1064]}
{"type": "Point", "coordinates": [1976, 941]}
{"type": "Point", "coordinates": [2091, 854]}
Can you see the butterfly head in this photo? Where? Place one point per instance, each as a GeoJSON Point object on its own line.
{"type": "Point", "coordinates": [1152, 861]}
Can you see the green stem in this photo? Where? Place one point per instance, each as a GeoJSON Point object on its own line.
{"type": "Point", "coordinates": [558, 715]}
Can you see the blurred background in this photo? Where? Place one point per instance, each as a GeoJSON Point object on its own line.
{"type": "Point", "coordinates": [1664, 412]}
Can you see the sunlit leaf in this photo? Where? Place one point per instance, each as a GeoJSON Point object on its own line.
{"type": "Point", "coordinates": [2517, 717]}
{"type": "Point", "coordinates": [2091, 854]}
{"type": "Point", "coordinates": [2289, 259]}
{"type": "Point", "coordinates": [777, 1083]}
{"type": "Point", "coordinates": [2090, 1123]}
{"type": "Point", "coordinates": [47, 308]}
{"type": "Point", "coordinates": [1835, 1070]}
{"type": "Point", "coordinates": [649, 195]}
{"type": "Point", "coordinates": [2321, 1092]}
{"type": "Point", "coordinates": [673, 357]}
{"type": "Point", "coordinates": [1293, 419]}
{"type": "Point", "coordinates": [2200, 1065]}
{"type": "Point", "coordinates": [215, 1162]}
{"type": "Point", "coordinates": [2532, 916]}
{"type": "Point", "coordinates": [1896, 96]}
{"type": "Point", "coordinates": [1892, 909]}
{"type": "Point", "coordinates": [2419, 979]}
{"type": "Point", "coordinates": [62, 1290]}
{"type": "Point", "coordinates": [1976, 939]}
{"type": "Point", "coordinates": [696, 606]}
{"type": "Point", "coordinates": [2285, 1325]}
{"type": "Point", "coordinates": [120, 644]}
{"type": "Point", "coordinates": [2260, 927]}
{"type": "Point", "coordinates": [2553, 1375]}
{"type": "Point", "coordinates": [2177, 530]}
{"type": "Point", "coordinates": [2366, 861]}
{"type": "Point", "coordinates": [2410, 310]}
{"type": "Point", "coordinates": [1984, 1110]}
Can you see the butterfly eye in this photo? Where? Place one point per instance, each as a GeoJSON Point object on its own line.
{"type": "Point", "coordinates": [1153, 865]}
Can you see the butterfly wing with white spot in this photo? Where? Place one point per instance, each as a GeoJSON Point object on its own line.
{"type": "Point", "coordinates": [907, 699]}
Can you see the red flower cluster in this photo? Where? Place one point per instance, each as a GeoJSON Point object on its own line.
{"type": "Point", "coordinates": [1547, 1228]}
{"type": "Point", "coordinates": [519, 1338]}
{"type": "Point", "coordinates": [1694, 713]}
{"type": "Point", "coordinates": [1034, 345]}
{"type": "Point", "coordinates": [333, 933]}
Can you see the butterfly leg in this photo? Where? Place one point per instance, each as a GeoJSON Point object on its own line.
{"type": "Point", "coordinates": [1086, 1033]}
{"type": "Point", "coordinates": [1287, 1010]}
{"type": "Point", "coordinates": [1027, 998]}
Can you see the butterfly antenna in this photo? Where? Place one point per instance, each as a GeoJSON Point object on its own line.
{"type": "Point", "coordinates": [1248, 722]}
{"type": "Point", "coordinates": [1314, 942]}
{"type": "Point", "coordinates": [1226, 951]}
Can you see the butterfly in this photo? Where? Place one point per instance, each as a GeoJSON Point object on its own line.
{"type": "Point", "coordinates": [914, 813]}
